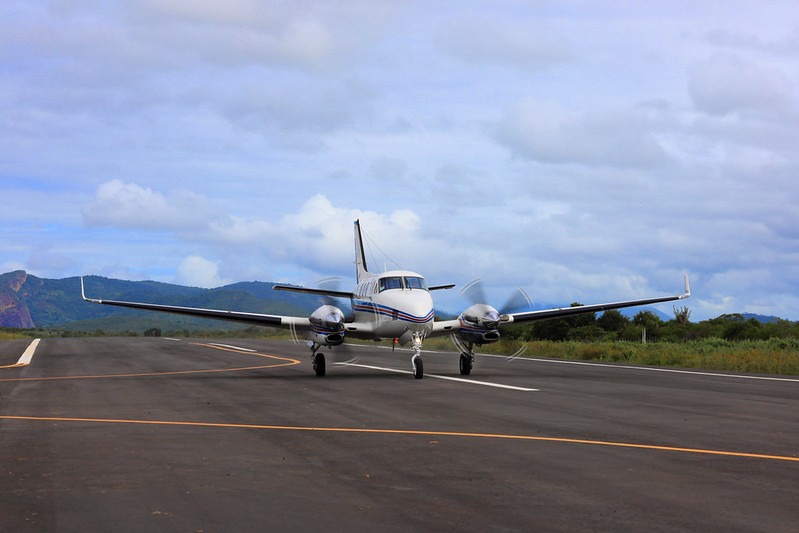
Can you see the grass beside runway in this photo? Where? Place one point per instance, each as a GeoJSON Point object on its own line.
{"type": "Point", "coordinates": [773, 356]}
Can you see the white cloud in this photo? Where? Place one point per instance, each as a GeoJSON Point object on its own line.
{"type": "Point", "coordinates": [127, 205]}
{"type": "Point", "coordinates": [492, 41]}
{"type": "Point", "coordinates": [196, 271]}
{"type": "Point", "coordinates": [548, 133]}
{"type": "Point", "coordinates": [729, 83]}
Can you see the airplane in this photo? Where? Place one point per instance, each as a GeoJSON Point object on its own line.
{"type": "Point", "coordinates": [394, 305]}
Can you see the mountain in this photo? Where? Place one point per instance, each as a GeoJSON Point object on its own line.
{"type": "Point", "coordinates": [27, 301]}
{"type": "Point", "coordinates": [763, 319]}
{"type": "Point", "coordinates": [14, 312]}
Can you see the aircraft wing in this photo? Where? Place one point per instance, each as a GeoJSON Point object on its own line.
{"type": "Point", "coordinates": [570, 311]}
{"type": "Point", "coordinates": [444, 327]}
{"type": "Point", "coordinates": [256, 319]}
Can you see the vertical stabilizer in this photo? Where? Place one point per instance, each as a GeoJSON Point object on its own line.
{"type": "Point", "coordinates": [360, 258]}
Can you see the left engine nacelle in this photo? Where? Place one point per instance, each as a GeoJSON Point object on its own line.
{"type": "Point", "coordinates": [479, 324]}
{"type": "Point", "coordinates": [327, 326]}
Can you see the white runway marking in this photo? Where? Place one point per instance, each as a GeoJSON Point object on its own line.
{"type": "Point", "coordinates": [232, 347]}
{"type": "Point", "coordinates": [27, 355]}
{"type": "Point", "coordinates": [448, 378]}
{"type": "Point", "coordinates": [645, 368]}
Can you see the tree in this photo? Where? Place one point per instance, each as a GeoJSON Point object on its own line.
{"type": "Point", "coordinates": [644, 320]}
{"type": "Point", "coordinates": [559, 329]}
{"type": "Point", "coordinates": [612, 320]}
{"type": "Point", "coordinates": [682, 315]}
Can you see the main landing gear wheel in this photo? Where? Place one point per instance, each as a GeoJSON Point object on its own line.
{"type": "Point", "coordinates": [465, 364]}
{"type": "Point", "coordinates": [418, 367]}
{"type": "Point", "coordinates": [319, 364]}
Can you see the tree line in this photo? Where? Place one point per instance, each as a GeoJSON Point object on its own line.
{"type": "Point", "coordinates": [613, 325]}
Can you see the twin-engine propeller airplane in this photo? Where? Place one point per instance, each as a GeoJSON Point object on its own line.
{"type": "Point", "coordinates": [396, 304]}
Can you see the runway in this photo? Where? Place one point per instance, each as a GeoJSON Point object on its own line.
{"type": "Point", "coordinates": [136, 434]}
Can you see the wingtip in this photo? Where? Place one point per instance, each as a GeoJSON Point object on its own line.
{"type": "Point", "coordinates": [687, 292]}
{"type": "Point", "coordinates": [83, 293]}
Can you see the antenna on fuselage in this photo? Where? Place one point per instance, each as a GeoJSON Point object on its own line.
{"type": "Point", "coordinates": [360, 257]}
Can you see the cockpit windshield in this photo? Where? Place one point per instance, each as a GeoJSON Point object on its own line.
{"type": "Point", "coordinates": [400, 282]}
{"type": "Point", "coordinates": [390, 283]}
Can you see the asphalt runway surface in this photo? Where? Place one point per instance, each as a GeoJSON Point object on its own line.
{"type": "Point", "coordinates": [153, 434]}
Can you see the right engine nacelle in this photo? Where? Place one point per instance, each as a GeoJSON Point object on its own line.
{"type": "Point", "coordinates": [327, 326]}
{"type": "Point", "coordinates": [479, 324]}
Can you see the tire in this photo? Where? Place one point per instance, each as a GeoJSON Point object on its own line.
{"type": "Point", "coordinates": [418, 368]}
{"type": "Point", "coordinates": [465, 365]}
{"type": "Point", "coordinates": [319, 365]}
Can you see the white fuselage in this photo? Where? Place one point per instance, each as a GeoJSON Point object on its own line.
{"type": "Point", "coordinates": [394, 304]}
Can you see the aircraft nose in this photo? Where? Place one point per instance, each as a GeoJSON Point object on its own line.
{"type": "Point", "coordinates": [421, 307]}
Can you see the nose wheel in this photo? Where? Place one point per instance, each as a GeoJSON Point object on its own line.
{"type": "Point", "coordinates": [416, 360]}
{"type": "Point", "coordinates": [418, 367]}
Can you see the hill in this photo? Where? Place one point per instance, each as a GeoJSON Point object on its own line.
{"type": "Point", "coordinates": [30, 302]}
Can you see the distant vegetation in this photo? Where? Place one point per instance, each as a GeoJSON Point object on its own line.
{"type": "Point", "coordinates": [727, 343]}
{"type": "Point", "coordinates": [613, 325]}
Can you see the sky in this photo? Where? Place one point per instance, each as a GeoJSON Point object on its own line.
{"type": "Point", "coordinates": [587, 151]}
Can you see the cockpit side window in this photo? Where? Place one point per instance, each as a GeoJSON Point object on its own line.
{"type": "Point", "coordinates": [415, 283]}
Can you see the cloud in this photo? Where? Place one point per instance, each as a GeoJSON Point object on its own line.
{"type": "Point", "coordinates": [196, 271]}
{"type": "Point", "coordinates": [729, 83]}
{"type": "Point", "coordinates": [492, 41]}
{"type": "Point", "coordinates": [548, 133]}
{"type": "Point", "coordinates": [320, 235]}
{"type": "Point", "coordinates": [127, 205]}
{"type": "Point", "coordinates": [584, 152]}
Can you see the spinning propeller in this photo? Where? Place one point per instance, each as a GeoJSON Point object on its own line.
{"type": "Point", "coordinates": [474, 292]}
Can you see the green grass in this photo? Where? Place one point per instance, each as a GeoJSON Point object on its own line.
{"type": "Point", "coordinates": [773, 356]}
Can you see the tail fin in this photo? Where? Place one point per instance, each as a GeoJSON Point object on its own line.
{"type": "Point", "coordinates": [360, 258]}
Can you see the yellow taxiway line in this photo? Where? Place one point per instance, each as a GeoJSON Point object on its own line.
{"type": "Point", "coordinates": [412, 432]}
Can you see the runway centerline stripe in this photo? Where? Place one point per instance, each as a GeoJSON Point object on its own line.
{"type": "Point", "coordinates": [27, 355]}
{"type": "Point", "coordinates": [411, 432]}
{"type": "Point", "coordinates": [448, 378]}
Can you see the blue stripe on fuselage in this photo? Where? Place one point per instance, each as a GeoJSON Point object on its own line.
{"type": "Point", "coordinates": [383, 310]}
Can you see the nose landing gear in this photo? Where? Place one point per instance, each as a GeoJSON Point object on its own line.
{"type": "Point", "coordinates": [416, 360]}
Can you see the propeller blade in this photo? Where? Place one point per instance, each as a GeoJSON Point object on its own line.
{"type": "Point", "coordinates": [330, 284]}
{"type": "Point", "coordinates": [343, 353]}
{"type": "Point", "coordinates": [518, 301]}
{"type": "Point", "coordinates": [474, 292]}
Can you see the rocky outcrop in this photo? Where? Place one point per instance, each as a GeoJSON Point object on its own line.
{"type": "Point", "coordinates": [14, 312]}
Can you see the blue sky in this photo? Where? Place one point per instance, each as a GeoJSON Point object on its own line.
{"type": "Point", "coordinates": [585, 151]}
